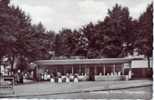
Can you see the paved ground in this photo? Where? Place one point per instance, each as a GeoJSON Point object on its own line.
{"type": "Point", "coordinates": [144, 93]}
{"type": "Point", "coordinates": [81, 89]}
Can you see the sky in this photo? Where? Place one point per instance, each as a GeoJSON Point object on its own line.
{"type": "Point", "coordinates": [73, 14]}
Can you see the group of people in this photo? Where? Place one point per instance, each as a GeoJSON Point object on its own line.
{"type": "Point", "coordinates": [18, 76]}
{"type": "Point", "coordinates": [58, 77]}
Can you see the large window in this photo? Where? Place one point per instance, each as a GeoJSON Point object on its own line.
{"type": "Point", "coordinates": [108, 68]}
{"type": "Point", "coordinates": [68, 69]}
{"type": "Point", "coordinates": [76, 68]}
{"type": "Point", "coordinates": [82, 69]}
{"type": "Point", "coordinates": [118, 68]}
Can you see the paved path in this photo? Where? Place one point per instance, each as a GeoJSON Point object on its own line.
{"type": "Point", "coordinates": [139, 93]}
{"type": "Point", "coordinates": [45, 88]}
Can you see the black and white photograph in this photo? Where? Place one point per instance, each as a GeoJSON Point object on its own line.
{"type": "Point", "coordinates": [76, 49]}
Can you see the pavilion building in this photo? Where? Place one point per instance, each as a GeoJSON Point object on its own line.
{"type": "Point", "coordinates": [92, 69]}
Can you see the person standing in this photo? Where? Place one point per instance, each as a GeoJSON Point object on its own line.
{"type": "Point", "coordinates": [20, 76]}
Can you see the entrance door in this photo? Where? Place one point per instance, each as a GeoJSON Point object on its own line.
{"type": "Point", "coordinates": [91, 73]}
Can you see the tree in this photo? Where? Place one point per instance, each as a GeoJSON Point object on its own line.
{"type": "Point", "coordinates": [90, 36]}
{"type": "Point", "coordinates": [107, 37]}
{"type": "Point", "coordinates": [37, 44]}
{"type": "Point", "coordinates": [80, 43]}
{"type": "Point", "coordinates": [115, 31]}
{"type": "Point", "coordinates": [65, 43]}
{"type": "Point", "coordinates": [19, 38]}
{"type": "Point", "coordinates": [3, 26]}
{"type": "Point", "coordinates": [69, 43]}
{"type": "Point", "coordinates": [145, 39]}
{"type": "Point", "coordinates": [13, 21]}
{"type": "Point", "coordinates": [39, 28]}
{"type": "Point", "coordinates": [58, 45]}
{"type": "Point", "coordinates": [51, 37]}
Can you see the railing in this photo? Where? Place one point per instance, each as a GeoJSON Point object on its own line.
{"type": "Point", "coordinates": [107, 78]}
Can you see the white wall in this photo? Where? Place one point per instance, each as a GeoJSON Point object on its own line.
{"type": "Point", "coordinates": [141, 63]}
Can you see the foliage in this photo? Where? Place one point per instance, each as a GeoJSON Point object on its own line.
{"type": "Point", "coordinates": [19, 38]}
{"type": "Point", "coordinates": [145, 39]}
{"type": "Point", "coordinates": [115, 36]}
{"type": "Point", "coordinates": [68, 43]}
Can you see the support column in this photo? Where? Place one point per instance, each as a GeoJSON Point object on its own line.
{"type": "Point", "coordinates": [86, 70]}
{"type": "Point", "coordinates": [72, 70]}
{"type": "Point", "coordinates": [79, 69]}
{"type": "Point", "coordinates": [95, 68]}
{"type": "Point", "coordinates": [36, 74]}
{"type": "Point", "coordinates": [113, 68]}
{"type": "Point", "coordinates": [56, 69]}
{"type": "Point", "coordinates": [129, 64]}
{"type": "Point", "coordinates": [130, 71]}
{"type": "Point", "coordinates": [84, 67]}
{"type": "Point", "coordinates": [104, 71]}
{"type": "Point", "coordinates": [64, 70]}
{"type": "Point", "coordinates": [123, 70]}
{"type": "Point", "coordinates": [0, 68]}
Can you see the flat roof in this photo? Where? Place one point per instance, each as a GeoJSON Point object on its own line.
{"type": "Point", "coordinates": [85, 61]}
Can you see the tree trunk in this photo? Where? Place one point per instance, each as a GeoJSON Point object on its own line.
{"type": "Point", "coordinates": [35, 74]}
{"type": "Point", "coordinates": [148, 61]}
{"type": "Point", "coordinates": [0, 66]}
{"type": "Point", "coordinates": [12, 63]}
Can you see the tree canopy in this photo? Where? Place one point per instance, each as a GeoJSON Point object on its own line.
{"type": "Point", "coordinates": [18, 37]}
{"type": "Point", "coordinates": [114, 36]}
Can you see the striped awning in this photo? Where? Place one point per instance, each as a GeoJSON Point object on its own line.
{"type": "Point", "coordinates": [85, 61]}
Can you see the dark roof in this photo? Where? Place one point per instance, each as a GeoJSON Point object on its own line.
{"type": "Point", "coordinates": [85, 61]}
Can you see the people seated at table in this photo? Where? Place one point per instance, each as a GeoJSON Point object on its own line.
{"type": "Point", "coordinates": [59, 80]}
{"type": "Point", "coordinates": [67, 80]}
{"type": "Point", "coordinates": [52, 80]}
{"type": "Point", "coordinates": [69, 77]}
{"type": "Point", "coordinates": [100, 74]}
{"type": "Point", "coordinates": [76, 78]}
{"type": "Point", "coordinates": [119, 73]}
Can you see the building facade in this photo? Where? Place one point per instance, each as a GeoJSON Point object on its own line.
{"type": "Point", "coordinates": [88, 69]}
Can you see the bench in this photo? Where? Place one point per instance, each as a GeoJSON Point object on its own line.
{"type": "Point", "coordinates": [7, 83]}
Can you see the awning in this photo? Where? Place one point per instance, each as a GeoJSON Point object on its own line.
{"type": "Point", "coordinates": [85, 61]}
